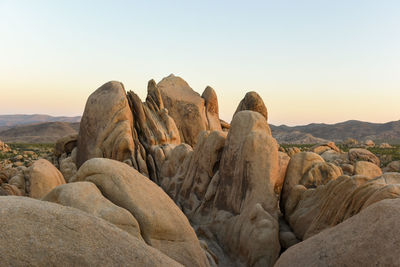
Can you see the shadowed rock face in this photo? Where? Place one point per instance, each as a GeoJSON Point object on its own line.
{"type": "Point", "coordinates": [106, 125]}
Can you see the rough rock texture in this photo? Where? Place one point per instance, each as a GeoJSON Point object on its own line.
{"type": "Point", "coordinates": [252, 101]}
{"type": "Point", "coordinates": [162, 224]}
{"type": "Point", "coordinates": [284, 160]}
{"type": "Point", "coordinates": [106, 125]}
{"type": "Point", "coordinates": [185, 106]}
{"type": "Point", "coordinates": [226, 188]}
{"type": "Point", "coordinates": [367, 239]}
{"type": "Point", "coordinates": [212, 110]}
{"type": "Point", "coordinates": [42, 177]}
{"type": "Point", "coordinates": [40, 233]}
{"type": "Point", "coordinates": [321, 148]}
{"type": "Point", "coordinates": [86, 197]}
{"type": "Point", "coordinates": [367, 169]}
{"type": "Point", "coordinates": [245, 200]}
{"type": "Point", "coordinates": [65, 145]}
{"type": "Point", "coordinates": [152, 127]}
{"type": "Point", "coordinates": [357, 154]}
{"type": "Point", "coordinates": [393, 166]}
{"type": "Point", "coordinates": [309, 211]}
{"type": "Point", "coordinates": [4, 147]}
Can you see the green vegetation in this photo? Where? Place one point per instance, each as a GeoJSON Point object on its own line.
{"type": "Point", "coordinates": [31, 147]}
{"type": "Point", "coordinates": [386, 155]}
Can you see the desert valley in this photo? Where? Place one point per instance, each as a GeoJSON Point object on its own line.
{"type": "Point", "coordinates": [166, 182]}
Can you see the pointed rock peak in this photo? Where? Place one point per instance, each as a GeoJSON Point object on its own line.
{"type": "Point", "coordinates": [253, 101]}
{"type": "Point", "coordinates": [151, 84]}
{"type": "Point", "coordinates": [211, 99]}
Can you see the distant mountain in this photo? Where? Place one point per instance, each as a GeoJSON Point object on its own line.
{"type": "Point", "coordinates": [378, 132]}
{"type": "Point", "coordinates": [20, 119]}
{"type": "Point", "coordinates": [48, 132]}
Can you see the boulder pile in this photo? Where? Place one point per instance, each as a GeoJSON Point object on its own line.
{"type": "Point", "coordinates": [166, 182]}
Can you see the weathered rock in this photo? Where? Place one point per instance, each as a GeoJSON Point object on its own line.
{"type": "Point", "coordinates": [86, 197]}
{"type": "Point", "coordinates": [284, 160]}
{"type": "Point", "coordinates": [385, 145]}
{"type": "Point", "coordinates": [4, 147]}
{"type": "Point", "coordinates": [321, 148]}
{"type": "Point", "coordinates": [350, 142]}
{"type": "Point", "coordinates": [309, 211]}
{"type": "Point", "coordinates": [367, 169]}
{"type": "Point", "coordinates": [65, 145]}
{"type": "Point", "coordinates": [358, 154]}
{"type": "Point", "coordinates": [335, 157]}
{"type": "Point", "coordinates": [299, 164]}
{"type": "Point", "coordinates": [68, 168]}
{"type": "Point", "coordinates": [212, 111]}
{"type": "Point", "coordinates": [252, 101]}
{"type": "Point", "coordinates": [42, 177]}
{"type": "Point", "coordinates": [292, 151]}
{"type": "Point", "coordinates": [367, 239]}
{"type": "Point", "coordinates": [185, 106]}
{"type": "Point", "coordinates": [162, 224]}
{"type": "Point", "coordinates": [245, 197]}
{"type": "Point", "coordinates": [393, 166]}
{"type": "Point", "coordinates": [41, 233]}
{"type": "Point", "coordinates": [106, 125]}
{"type": "Point", "coordinates": [202, 167]}
{"type": "Point", "coordinates": [369, 143]}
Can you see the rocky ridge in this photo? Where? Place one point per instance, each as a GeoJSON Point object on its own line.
{"type": "Point", "coordinates": [180, 186]}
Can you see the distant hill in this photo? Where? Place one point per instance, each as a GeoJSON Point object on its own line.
{"type": "Point", "coordinates": [19, 119]}
{"type": "Point", "coordinates": [378, 132]}
{"type": "Point", "coordinates": [48, 132]}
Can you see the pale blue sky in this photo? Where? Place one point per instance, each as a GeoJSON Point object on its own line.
{"type": "Point", "coordinates": [311, 61]}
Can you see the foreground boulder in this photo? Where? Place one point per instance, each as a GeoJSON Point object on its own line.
{"type": "Point", "coordinates": [162, 223]}
{"type": "Point", "coordinates": [106, 125]}
{"type": "Point", "coordinates": [227, 187]}
{"type": "Point", "coordinates": [86, 197]}
{"type": "Point", "coordinates": [367, 239]}
{"type": "Point", "coordinates": [41, 178]}
{"type": "Point", "coordinates": [40, 233]}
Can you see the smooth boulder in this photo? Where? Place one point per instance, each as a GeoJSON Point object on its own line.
{"type": "Point", "coordinates": [41, 233]}
{"type": "Point", "coordinates": [162, 223]}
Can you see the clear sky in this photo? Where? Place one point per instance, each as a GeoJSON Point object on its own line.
{"type": "Point", "coordinates": [311, 61]}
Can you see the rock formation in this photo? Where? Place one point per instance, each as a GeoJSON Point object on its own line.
{"type": "Point", "coordinates": [165, 182]}
{"type": "Point", "coordinates": [41, 233]}
{"type": "Point", "coordinates": [162, 224]}
{"type": "Point", "coordinates": [106, 125]}
{"type": "Point", "coordinates": [367, 239]}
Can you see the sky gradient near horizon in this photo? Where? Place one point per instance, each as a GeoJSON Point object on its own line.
{"type": "Point", "coordinates": [311, 61]}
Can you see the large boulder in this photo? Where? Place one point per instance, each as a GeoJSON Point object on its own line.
{"type": "Point", "coordinates": [41, 178]}
{"type": "Point", "coordinates": [162, 223]}
{"type": "Point", "coordinates": [311, 210]}
{"type": "Point", "coordinates": [252, 101]}
{"type": "Point", "coordinates": [212, 110]}
{"type": "Point", "coordinates": [41, 233]}
{"type": "Point", "coordinates": [106, 125]}
{"type": "Point", "coordinates": [87, 197]}
{"type": "Point", "coordinates": [358, 154]}
{"type": "Point", "coordinates": [185, 106]}
{"type": "Point", "coordinates": [245, 202]}
{"type": "Point", "coordinates": [367, 169]}
{"type": "Point", "coordinates": [367, 239]}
